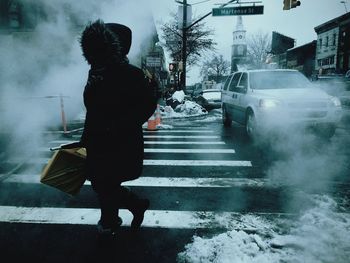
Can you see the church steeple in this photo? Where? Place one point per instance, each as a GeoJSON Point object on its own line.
{"type": "Point", "coordinates": [239, 46]}
{"type": "Point", "coordinates": [239, 26]}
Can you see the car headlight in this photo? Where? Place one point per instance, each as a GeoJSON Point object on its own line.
{"type": "Point", "coordinates": [335, 102]}
{"type": "Point", "coordinates": [268, 103]}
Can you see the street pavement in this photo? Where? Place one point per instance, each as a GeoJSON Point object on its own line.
{"type": "Point", "coordinates": [201, 179]}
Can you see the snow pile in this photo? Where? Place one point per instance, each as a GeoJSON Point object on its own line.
{"type": "Point", "coordinates": [320, 235]}
{"type": "Point", "coordinates": [233, 246]}
{"type": "Point", "coordinates": [216, 115]}
{"type": "Point", "coordinates": [179, 95]}
{"type": "Point", "coordinates": [185, 109]}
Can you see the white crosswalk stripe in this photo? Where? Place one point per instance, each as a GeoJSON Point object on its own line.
{"type": "Point", "coordinates": [59, 142]}
{"type": "Point", "coordinates": [186, 142]}
{"type": "Point", "coordinates": [147, 162]}
{"type": "Point", "coordinates": [196, 163]}
{"type": "Point", "coordinates": [147, 181]}
{"type": "Point", "coordinates": [165, 181]}
{"type": "Point", "coordinates": [153, 150]}
{"type": "Point", "coordinates": [153, 218]}
{"type": "Point", "coordinates": [182, 136]}
{"type": "Point", "coordinates": [180, 131]}
{"type": "Point", "coordinates": [166, 150]}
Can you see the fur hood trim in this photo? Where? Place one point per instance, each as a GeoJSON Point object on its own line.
{"type": "Point", "coordinates": [101, 45]}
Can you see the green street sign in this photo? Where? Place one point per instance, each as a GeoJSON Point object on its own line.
{"type": "Point", "coordinates": [238, 11]}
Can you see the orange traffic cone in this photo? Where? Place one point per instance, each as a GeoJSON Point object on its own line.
{"type": "Point", "coordinates": [158, 116]}
{"type": "Point", "coordinates": [151, 123]}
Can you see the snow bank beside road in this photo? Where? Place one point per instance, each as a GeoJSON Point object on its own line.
{"type": "Point", "coordinates": [320, 235]}
{"type": "Point", "coordinates": [184, 110]}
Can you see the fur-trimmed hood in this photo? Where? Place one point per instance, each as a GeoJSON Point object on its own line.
{"type": "Point", "coordinates": [105, 43]}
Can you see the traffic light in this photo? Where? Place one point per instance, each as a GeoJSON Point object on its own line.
{"type": "Point", "coordinates": [295, 3]}
{"type": "Point", "coordinates": [288, 4]}
{"type": "Point", "coordinates": [172, 67]}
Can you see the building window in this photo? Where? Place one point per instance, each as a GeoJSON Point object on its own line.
{"type": "Point", "coordinates": [240, 50]}
{"type": "Point", "coordinates": [14, 15]}
{"type": "Point", "coordinates": [320, 42]}
{"type": "Point", "coordinates": [326, 61]}
{"type": "Point", "coordinates": [341, 62]}
{"type": "Point", "coordinates": [334, 39]}
{"type": "Point", "coordinates": [327, 40]}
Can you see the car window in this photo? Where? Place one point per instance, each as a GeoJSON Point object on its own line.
{"type": "Point", "coordinates": [234, 81]}
{"type": "Point", "coordinates": [278, 80]}
{"type": "Point", "coordinates": [243, 84]}
{"type": "Point", "coordinates": [227, 82]}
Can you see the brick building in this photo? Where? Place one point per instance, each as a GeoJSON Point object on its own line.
{"type": "Point", "coordinates": [333, 45]}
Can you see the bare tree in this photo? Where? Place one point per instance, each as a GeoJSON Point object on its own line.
{"type": "Point", "coordinates": [198, 40]}
{"type": "Point", "coordinates": [258, 47]}
{"type": "Point", "coordinates": [215, 67]}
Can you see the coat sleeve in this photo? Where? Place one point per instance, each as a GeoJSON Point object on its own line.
{"type": "Point", "coordinates": [148, 99]}
{"type": "Point", "coordinates": [84, 136]}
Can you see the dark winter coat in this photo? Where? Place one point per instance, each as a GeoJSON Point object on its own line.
{"type": "Point", "coordinates": [118, 100]}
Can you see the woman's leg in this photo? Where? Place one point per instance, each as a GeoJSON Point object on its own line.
{"type": "Point", "coordinates": [136, 205]}
{"type": "Point", "coordinates": [108, 198]}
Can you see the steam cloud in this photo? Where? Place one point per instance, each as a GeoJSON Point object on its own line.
{"type": "Point", "coordinates": [38, 66]}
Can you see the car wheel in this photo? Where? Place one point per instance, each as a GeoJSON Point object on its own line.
{"type": "Point", "coordinates": [327, 132]}
{"type": "Point", "coordinates": [226, 120]}
{"type": "Point", "coordinates": [250, 126]}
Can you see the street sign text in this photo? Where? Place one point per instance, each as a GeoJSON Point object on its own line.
{"type": "Point", "coordinates": [238, 11]}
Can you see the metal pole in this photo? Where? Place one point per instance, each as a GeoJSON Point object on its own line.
{"type": "Point", "coordinates": [184, 45]}
{"type": "Point", "coordinates": [208, 14]}
{"type": "Point", "coordinates": [346, 9]}
{"type": "Point", "coordinates": [184, 36]}
{"type": "Point", "coordinates": [63, 115]}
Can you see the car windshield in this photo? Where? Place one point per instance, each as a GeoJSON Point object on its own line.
{"type": "Point", "coordinates": [278, 80]}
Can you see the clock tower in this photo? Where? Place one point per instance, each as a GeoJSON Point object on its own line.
{"type": "Point", "coordinates": [239, 46]}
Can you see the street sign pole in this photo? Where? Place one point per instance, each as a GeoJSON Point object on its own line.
{"type": "Point", "coordinates": [184, 45]}
{"type": "Point", "coordinates": [184, 35]}
{"type": "Point", "coordinates": [250, 10]}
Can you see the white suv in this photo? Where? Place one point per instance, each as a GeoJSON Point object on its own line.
{"type": "Point", "coordinates": [276, 98]}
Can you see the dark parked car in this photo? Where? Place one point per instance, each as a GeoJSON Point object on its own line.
{"type": "Point", "coordinates": [209, 99]}
{"type": "Point", "coordinates": [333, 84]}
{"type": "Point", "coordinates": [339, 86]}
{"type": "Point", "coordinates": [345, 99]}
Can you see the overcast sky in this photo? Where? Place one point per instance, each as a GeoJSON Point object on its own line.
{"type": "Point", "coordinates": [298, 23]}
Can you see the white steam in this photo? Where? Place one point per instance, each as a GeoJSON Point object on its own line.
{"type": "Point", "coordinates": [39, 66]}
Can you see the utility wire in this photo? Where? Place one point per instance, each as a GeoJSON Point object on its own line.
{"type": "Point", "coordinates": [201, 2]}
